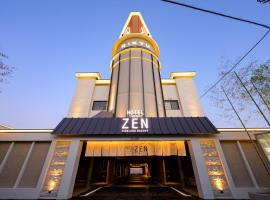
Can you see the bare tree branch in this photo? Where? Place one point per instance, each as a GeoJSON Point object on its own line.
{"type": "Point", "coordinates": [5, 70]}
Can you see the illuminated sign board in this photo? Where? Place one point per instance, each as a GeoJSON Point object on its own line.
{"type": "Point", "coordinates": [135, 43]}
{"type": "Point", "coordinates": [135, 148]}
{"type": "Point", "coordinates": [135, 122]}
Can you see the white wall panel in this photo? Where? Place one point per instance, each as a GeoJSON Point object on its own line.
{"type": "Point", "coordinates": [82, 98]}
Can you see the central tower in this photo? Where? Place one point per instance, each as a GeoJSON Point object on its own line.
{"type": "Point", "coordinates": [135, 71]}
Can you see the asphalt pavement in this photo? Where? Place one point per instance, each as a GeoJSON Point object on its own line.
{"type": "Point", "coordinates": [135, 193]}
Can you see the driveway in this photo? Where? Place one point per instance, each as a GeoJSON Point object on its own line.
{"type": "Point", "coordinates": [130, 192]}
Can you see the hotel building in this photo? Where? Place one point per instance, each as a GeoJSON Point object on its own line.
{"type": "Point", "coordinates": [134, 126]}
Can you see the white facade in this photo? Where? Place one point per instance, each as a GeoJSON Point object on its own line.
{"type": "Point", "coordinates": [205, 190]}
{"type": "Point", "coordinates": [98, 90]}
{"type": "Point", "coordinates": [36, 164]}
{"type": "Point", "coordinates": [180, 87]}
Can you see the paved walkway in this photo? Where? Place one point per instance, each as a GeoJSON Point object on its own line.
{"type": "Point", "coordinates": [135, 193]}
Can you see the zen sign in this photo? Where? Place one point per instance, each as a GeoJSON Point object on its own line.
{"type": "Point", "coordinates": [135, 122]}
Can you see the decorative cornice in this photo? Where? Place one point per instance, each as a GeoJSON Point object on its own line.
{"type": "Point", "coordinates": [175, 75]}
{"type": "Point", "coordinates": [88, 75]}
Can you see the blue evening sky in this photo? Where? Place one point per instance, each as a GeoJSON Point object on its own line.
{"type": "Point", "coordinates": [48, 41]}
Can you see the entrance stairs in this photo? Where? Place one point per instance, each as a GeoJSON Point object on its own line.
{"type": "Point", "coordinates": [138, 180]}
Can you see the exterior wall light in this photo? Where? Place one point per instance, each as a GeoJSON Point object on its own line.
{"type": "Point", "coordinates": [51, 186]}
{"type": "Point", "coordinates": [219, 183]}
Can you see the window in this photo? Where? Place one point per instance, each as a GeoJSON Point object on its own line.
{"type": "Point", "coordinates": [171, 105]}
{"type": "Point", "coordinates": [99, 105]}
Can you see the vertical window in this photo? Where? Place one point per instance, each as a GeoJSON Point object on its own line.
{"type": "Point", "coordinates": [236, 164]}
{"type": "Point", "coordinates": [255, 164]}
{"type": "Point", "coordinates": [3, 150]}
{"type": "Point", "coordinates": [34, 165]}
{"type": "Point", "coordinates": [99, 105]}
{"type": "Point", "coordinates": [13, 165]}
{"type": "Point", "coordinates": [171, 105]}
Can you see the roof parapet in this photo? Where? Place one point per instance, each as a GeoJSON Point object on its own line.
{"type": "Point", "coordinates": [88, 75]}
{"type": "Point", "coordinates": [175, 75]}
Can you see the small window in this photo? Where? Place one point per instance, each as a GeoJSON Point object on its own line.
{"type": "Point", "coordinates": [99, 105]}
{"type": "Point", "coordinates": [171, 105]}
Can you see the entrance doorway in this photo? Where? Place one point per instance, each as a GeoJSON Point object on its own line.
{"type": "Point", "coordinates": [134, 171]}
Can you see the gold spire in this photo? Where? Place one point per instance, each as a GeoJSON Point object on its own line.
{"type": "Point", "coordinates": [135, 27]}
{"type": "Point", "coordinates": [135, 24]}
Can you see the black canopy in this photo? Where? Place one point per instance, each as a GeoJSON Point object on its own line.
{"type": "Point", "coordinates": [156, 126]}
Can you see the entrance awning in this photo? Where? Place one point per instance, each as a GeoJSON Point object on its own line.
{"type": "Point", "coordinates": [156, 126]}
{"type": "Point", "coordinates": [135, 148]}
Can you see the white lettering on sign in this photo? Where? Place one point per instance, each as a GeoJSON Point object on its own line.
{"type": "Point", "coordinates": [135, 125]}
{"type": "Point", "coordinates": [134, 122]}
{"type": "Point", "coordinates": [125, 123]}
{"type": "Point", "coordinates": [135, 43]}
{"type": "Point", "coordinates": [135, 113]}
{"type": "Point", "coordinates": [144, 123]}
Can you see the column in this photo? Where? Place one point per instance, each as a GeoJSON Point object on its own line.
{"type": "Point", "coordinates": [200, 171]}
{"type": "Point", "coordinates": [70, 172]}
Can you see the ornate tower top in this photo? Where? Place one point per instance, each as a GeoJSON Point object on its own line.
{"type": "Point", "coordinates": [135, 80]}
{"type": "Point", "coordinates": [135, 24]}
{"type": "Point", "coordinates": [135, 33]}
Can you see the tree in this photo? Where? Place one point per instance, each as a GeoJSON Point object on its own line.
{"type": "Point", "coordinates": [263, 1]}
{"type": "Point", "coordinates": [5, 70]}
{"type": "Point", "coordinates": [259, 75]}
{"type": "Point", "coordinates": [261, 80]}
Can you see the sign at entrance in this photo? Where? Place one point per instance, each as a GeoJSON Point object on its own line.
{"type": "Point", "coordinates": [135, 122]}
{"type": "Point", "coordinates": [135, 148]}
